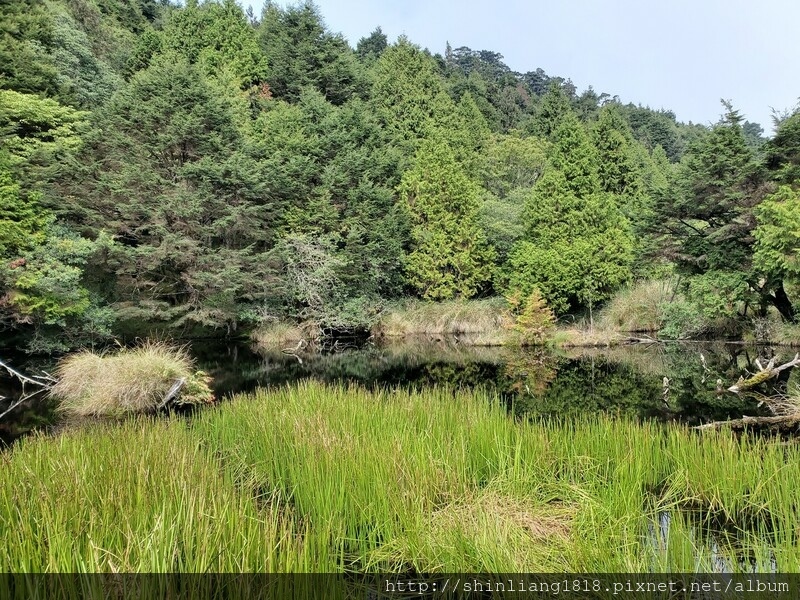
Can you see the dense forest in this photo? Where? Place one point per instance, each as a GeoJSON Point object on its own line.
{"type": "Point", "coordinates": [201, 169]}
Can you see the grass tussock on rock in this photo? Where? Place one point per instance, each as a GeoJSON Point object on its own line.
{"type": "Point", "coordinates": [135, 380]}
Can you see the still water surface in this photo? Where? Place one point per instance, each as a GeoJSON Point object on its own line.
{"type": "Point", "coordinates": [626, 380]}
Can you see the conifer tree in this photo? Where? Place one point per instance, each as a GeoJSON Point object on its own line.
{"type": "Point", "coordinates": [449, 256]}
{"type": "Point", "coordinates": [577, 248]}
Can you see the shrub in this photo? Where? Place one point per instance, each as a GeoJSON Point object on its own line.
{"type": "Point", "coordinates": [682, 320]}
{"type": "Point", "coordinates": [134, 380]}
{"type": "Point", "coordinates": [534, 319]}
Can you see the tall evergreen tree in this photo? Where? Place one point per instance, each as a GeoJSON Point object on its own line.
{"type": "Point", "coordinates": [449, 256]}
{"type": "Point", "coordinates": [301, 52]}
{"type": "Point", "coordinates": [577, 249]}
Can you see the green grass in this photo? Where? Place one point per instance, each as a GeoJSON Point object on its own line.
{"type": "Point", "coordinates": [316, 478]}
{"type": "Point", "coordinates": [139, 496]}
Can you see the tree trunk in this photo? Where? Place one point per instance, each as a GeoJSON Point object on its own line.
{"type": "Point", "coordinates": [783, 304]}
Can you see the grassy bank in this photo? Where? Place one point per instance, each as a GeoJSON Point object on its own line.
{"type": "Point", "coordinates": [482, 322]}
{"type": "Point", "coordinates": [315, 478]}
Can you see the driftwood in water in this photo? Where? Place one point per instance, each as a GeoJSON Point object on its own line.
{"type": "Point", "coordinates": [787, 417]}
{"type": "Point", "coordinates": [780, 424]}
{"type": "Point", "coordinates": [294, 351]}
{"type": "Point", "coordinates": [764, 374]}
{"type": "Point", "coordinates": [42, 383]}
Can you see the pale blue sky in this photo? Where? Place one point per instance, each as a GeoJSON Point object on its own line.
{"type": "Point", "coordinates": [683, 55]}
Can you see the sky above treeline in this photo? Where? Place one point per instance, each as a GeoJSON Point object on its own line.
{"type": "Point", "coordinates": [681, 55]}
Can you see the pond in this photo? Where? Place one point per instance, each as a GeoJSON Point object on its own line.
{"type": "Point", "coordinates": [647, 382]}
{"type": "Point", "coordinates": [668, 382]}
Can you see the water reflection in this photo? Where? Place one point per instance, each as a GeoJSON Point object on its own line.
{"type": "Point", "coordinates": [626, 380]}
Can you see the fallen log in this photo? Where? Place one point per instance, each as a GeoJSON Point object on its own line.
{"type": "Point", "coordinates": [781, 424]}
{"type": "Point", "coordinates": [764, 374]}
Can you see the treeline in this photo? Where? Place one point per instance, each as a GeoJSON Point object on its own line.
{"type": "Point", "coordinates": [201, 168]}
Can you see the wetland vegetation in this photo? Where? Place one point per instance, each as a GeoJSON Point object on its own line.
{"type": "Point", "coordinates": [315, 477]}
{"type": "Point", "coordinates": [440, 262]}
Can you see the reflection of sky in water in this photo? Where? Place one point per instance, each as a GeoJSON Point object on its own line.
{"type": "Point", "coordinates": [711, 546]}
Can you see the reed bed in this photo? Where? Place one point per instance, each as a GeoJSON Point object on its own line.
{"type": "Point", "coordinates": [486, 320]}
{"type": "Point", "coordinates": [331, 478]}
{"type": "Point", "coordinates": [141, 496]}
{"type": "Point", "coordinates": [389, 473]}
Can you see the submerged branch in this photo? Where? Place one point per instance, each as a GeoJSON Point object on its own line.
{"type": "Point", "coordinates": [783, 423]}
{"type": "Point", "coordinates": [764, 374]}
{"type": "Point", "coordinates": [43, 382]}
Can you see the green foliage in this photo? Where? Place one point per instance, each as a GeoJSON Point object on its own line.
{"type": "Point", "coordinates": [22, 222]}
{"type": "Point", "coordinates": [534, 320]}
{"type": "Point", "coordinates": [682, 320]}
{"type": "Point", "coordinates": [578, 247]}
{"type": "Point", "coordinates": [25, 36]}
{"type": "Point", "coordinates": [777, 248]}
{"type": "Point", "coordinates": [616, 162]}
{"type": "Point", "coordinates": [84, 79]}
{"type": "Point", "coordinates": [214, 35]}
{"type": "Point", "coordinates": [553, 108]}
{"type": "Point", "coordinates": [36, 129]}
{"type": "Point", "coordinates": [783, 151]}
{"type": "Point", "coordinates": [183, 202]}
{"type": "Point", "coordinates": [707, 218]}
{"type": "Point", "coordinates": [409, 97]}
{"type": "Point", "coordinates": [370, 48]}
{"type": "Point", "coordinates": [511, 162]}
{"type": "Point", "coordinates": [300, 52]}
{"type": "Point", "coordinates": [449, 255]}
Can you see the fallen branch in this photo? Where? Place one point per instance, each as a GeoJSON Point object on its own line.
{"type": "Point", "coordinates": [294, 351]}
{"type": "Point", "coordinates": [173, 393]}
{"type": "Point", "coordinates": [44, 383]}
{"type": "Point", "coordinates": [764, 374]}
{"type": "Point", "coordinates": [785, 423]}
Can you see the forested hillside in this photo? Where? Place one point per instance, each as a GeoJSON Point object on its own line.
{"type": "Point", "coordinates": [198, 168]}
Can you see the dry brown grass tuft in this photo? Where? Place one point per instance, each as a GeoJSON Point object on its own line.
{"type": "Point", "coordinates": [486, 320]}
{"type": "Point", "coordinates": [133, 380]}
{"type": "Point", "coordinates": [279, 336]}
{"type": "Point", "coordinates": [639, 307]}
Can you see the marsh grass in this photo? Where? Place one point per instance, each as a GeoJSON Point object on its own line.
{"type": "Point", "coordinates": [486, 321]}
{"type": "Point", "coordinates": [278, 335]}
{"type": "Point", "coordinates": [444, 480]}
{"type": "Point", "coordinates": [331, 478]}
{"type": "Point", "coordinates": [140, 496]}
{"type": "Point", "coordinates": [134, 380]}
{"type": "Point", "coordinates": [639, 307]}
